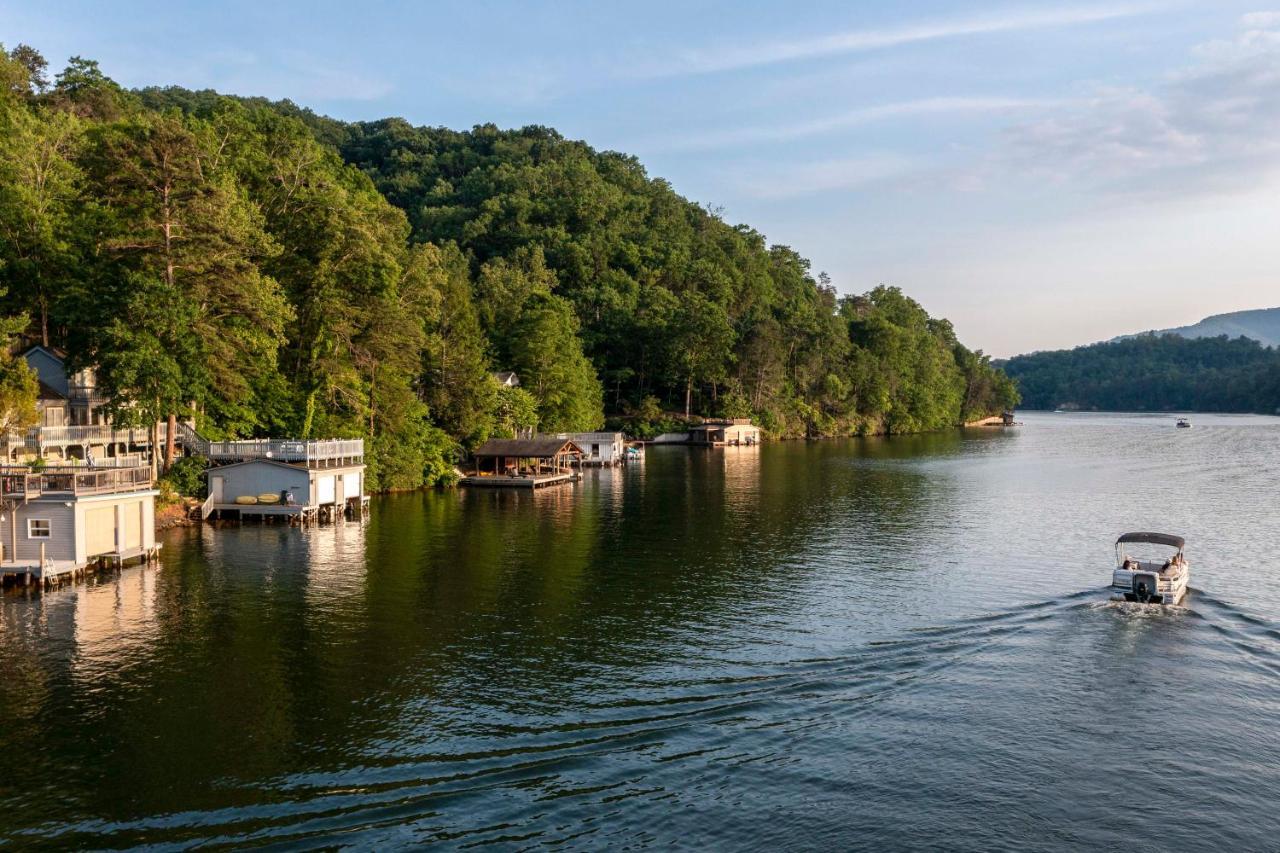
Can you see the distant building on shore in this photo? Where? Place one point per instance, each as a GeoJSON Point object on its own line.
{"type": "Point", "coordinates": [732, 432]}
{"type": "Point", "coordinates": [598, 448]}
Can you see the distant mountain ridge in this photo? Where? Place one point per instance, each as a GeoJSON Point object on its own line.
{"type": "Point", "coordinates": [1260, 324]}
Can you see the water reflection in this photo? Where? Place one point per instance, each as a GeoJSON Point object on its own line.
{"type": "Point", "coordinates": [730, 647]}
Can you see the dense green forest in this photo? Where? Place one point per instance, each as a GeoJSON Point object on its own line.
{"type": "Point", "coordinates": [271, 271]}
{"type": "Point", "coordinates": [1153, 373]}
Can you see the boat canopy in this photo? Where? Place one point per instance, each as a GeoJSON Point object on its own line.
{"type": "Point", "coordinates": [1154, 539]}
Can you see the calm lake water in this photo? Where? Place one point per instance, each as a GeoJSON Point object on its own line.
{"type": "Point", "coordinates": [876, 644]}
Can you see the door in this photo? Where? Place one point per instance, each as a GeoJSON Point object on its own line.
{"type": "Point", "coordinates": [99, 531]}
{"type": "Point", "coordinates": [325, 489]}
{"type": "Point", "coordinates": [132, 525]}
{"type": "Point", "coordinates": [215, 489]}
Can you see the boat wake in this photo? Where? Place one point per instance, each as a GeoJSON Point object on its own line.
{"type": "Point", "coordinates": [602, 761]}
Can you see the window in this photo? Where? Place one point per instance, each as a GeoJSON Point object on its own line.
{"type": "Point", "coordinates": [38, 528]}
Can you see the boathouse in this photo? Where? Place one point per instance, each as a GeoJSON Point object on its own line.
{"type": "Point", "coordinates": [542, 460]}
{"type": "Point", "coordinates": [296, 481]}
{"type": "Point", "coordinates": [598, 448]}
{"type": "Point", "coordinates": [732, 432]}
{"type": "Point", "coordinates": [57, 521]}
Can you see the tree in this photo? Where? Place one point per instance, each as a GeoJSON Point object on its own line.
{"type": "Point", "coordinates": [186, 316]}
{"type": "Point", "coordinates": [547, 355]}
{"type": "Point", "coordinates": [18, 386]}
{"type": "Point", "coordinates": [699, 344]}
{"type": "Point", "coordinates": [515, 409]}
{"type": "Point", "coordinates": [456, 381]}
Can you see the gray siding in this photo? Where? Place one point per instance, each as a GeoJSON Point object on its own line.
{"type": "Point", "coordinates": [61, 544]}
{"type": "Point", "coordinates": [256, 478]}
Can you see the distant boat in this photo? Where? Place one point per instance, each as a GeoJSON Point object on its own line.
{"type": "Point", "coordinates": [1183, 423]}
{"type": "Point", "coordinates": [1150, 581]}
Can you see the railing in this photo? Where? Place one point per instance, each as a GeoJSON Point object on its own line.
{"type": "Point", "coordinates": [82, 434]}
{"type": "Point", "coordinates": [19, 484]}
{"type": "Point", "coordinates": [306, 452]}
{"type": "Point", "coordinates": [94, 481]}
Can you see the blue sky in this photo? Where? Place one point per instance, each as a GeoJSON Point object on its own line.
{"type": "Point", "coordinates": [1044, 174]}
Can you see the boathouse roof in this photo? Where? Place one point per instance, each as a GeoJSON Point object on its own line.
{"type": "Point", "coordinates": [537, 447]}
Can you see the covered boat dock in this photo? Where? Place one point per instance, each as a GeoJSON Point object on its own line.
{"type": "Point", "coordinates": [529, 463]}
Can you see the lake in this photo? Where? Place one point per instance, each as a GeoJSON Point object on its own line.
{"type": "Point", "coordinates": [868, 644]}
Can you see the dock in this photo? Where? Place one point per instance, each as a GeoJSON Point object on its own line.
{"type": "Point", "coordinates": [532, 481]}
{"type": "Point", "coordinates": [532, 462]}
{"type": "Point", "coordinates": [50, 573]}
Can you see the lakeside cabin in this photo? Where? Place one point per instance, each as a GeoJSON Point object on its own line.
{"type": "Point", "coordinates": [296, 481]}
{"type": "Point", "coordinates": [734, 432]}
{"type": "Point", "coordinates": [533, 462]}
{"type": "Point", "coordinates": [58, 521]}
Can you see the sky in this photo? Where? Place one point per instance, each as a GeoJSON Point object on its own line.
{"type": "Point", "coordinates": [1044, 174]}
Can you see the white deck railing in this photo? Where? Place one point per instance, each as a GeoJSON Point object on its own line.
{"type": "Point", "coordinates": [74, 480]}
{"type": "Point", "coordinates": [305, 452]}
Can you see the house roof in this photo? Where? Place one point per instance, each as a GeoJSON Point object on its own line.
{"type": "Point", "coordinates": [49, 393]}
{"type": "Point", "coordinates": [506, 377]}
{"type": "Point", "coordinates": [59, 354]}
{"type": "Point", "coordinates": [539, 446]}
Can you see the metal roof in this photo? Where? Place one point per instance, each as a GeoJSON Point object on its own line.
{"type": "Point", "coordinates": [1154, 539]}
{"type": "Point", "coordinates": [540, 447]}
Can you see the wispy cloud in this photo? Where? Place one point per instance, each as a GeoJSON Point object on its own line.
{"type": "Point", "coordinates": [737, 137]}
{"type": "Point", "coordinates": [769, 181]}
{"type": "Point", "coordinates": [1210, 127]}
{"type": "Point", "coordinates": [728, 58]}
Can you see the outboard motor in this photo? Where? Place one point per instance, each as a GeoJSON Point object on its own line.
{"type": "Point", "coordinates": [1145, 589]}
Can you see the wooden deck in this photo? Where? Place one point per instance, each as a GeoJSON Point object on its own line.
{"type": "Point", "coordinates": [531, 482]}
{"type": "Point", "coordinates": [28, 572]}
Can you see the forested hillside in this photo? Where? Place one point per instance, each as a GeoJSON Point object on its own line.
{"type": "Point", "coordinates": [1153, 373]}
{"type": "Point", "coordinates": [275, 272]}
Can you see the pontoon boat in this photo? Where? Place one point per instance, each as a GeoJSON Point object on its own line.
{"type": "Point", "coordinates": [1184, 423]}
{"type": "Point", "coordinates": [1150, 581]}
